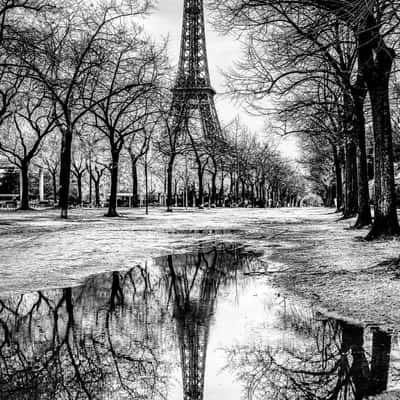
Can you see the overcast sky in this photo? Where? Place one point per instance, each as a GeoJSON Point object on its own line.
{"type": "Point", "coordinates": [166, 21]}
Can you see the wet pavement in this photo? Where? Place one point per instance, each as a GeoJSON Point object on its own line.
{"type": "Point", "coordinates": [205, 324]}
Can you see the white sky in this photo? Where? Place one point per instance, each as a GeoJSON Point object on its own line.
{"type": "Point", "coordinates": [166, 21]}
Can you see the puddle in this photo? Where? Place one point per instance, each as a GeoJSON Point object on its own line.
{"type": "Point", "coordinates": [205, 231]}
{"type": "Point", "coordinates": [188, 326]}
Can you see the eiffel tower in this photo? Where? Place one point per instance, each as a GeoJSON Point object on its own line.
{"type": "Point", "coordinates": [192, 90]}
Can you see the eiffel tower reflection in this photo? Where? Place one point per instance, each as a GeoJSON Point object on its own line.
{"type": "Point", "coordinates": [194, 282]}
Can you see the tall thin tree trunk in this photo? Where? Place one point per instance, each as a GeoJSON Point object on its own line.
{"type": "Point", "coordinates": [112, 207]}
{"type": "Point", "coordinates": [214, 188]}
{"type": "Point", "coordinates": [54, 179]}
{"type": "Point", "coordinates": [170, 168]}
{"type": "Point", "coordinates": [25, 186]}
{"type": "Point", "coordinates": [222, 189]}
{"type": "Point", "coordinates": [200, 200]}
{"type": "Point", "coordinates": [90, 187]}
{"type": "Point", "coordinates": [97, 191]}
{"type": "Point", "coordinates": [65, 171]}
{"type": "Point", "coordinates": [79, 183]}
{"type": "Point", "coordinates": [350, 195]}
{"type": "Point", "coordinates": [339, 183]}
{"type": "Point", "coordinates": [135, 194]}
{"type": "Point", "coordinates": [364, 209]}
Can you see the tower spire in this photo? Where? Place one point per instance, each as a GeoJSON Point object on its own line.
{"type": "Point", "coordinates": [193, 69]}
{"type": "Point", "coordinates": [192, 90]}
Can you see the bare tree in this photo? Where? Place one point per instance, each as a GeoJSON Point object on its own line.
{"type": "Point", "coordinates": [171, 143]}
{"type": "Point", "coordinates": [22, 137]}
{"type": "Point", "coordinates": [136, 65]}
{"type": "Point", "coordinates": [79, 168]}
{"type": "Point", "coordinates": [60, 51]}
{"type": "Point", "coordinates": [372, 24]}
{"type": "Point", "coordinates": [137, 146]}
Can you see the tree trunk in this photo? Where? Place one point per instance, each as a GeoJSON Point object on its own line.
{"type": "Point", "coordinates": [65, 171]}
{"type": "Point", "coordinates": [375, 60]}
{"type": "Point", "coordinates": [112, 206]}
{"type": "Point", "coordinates": [364, 209]}
{"type": "Point", "coordinates": [135, 194]}
{"type": "Point", "coordinates": [54, 179]}
{"type": "Point", "coordinates": [97, 191]}
{"type": "Point", "coordinates": [90, 188]}
{"type": "Point", "coordinates": [339, 183]}
{"type": "Point", "coordinates": [25, 186]}
{"type": "Point", "coordinates": [263, 194]}
{"type": "Point", "coordinates": [222, 190]}
{"type": "Point", "coordinates": [214, 188]}
{"type": "Point", "coordinates": [200, 200]}
{"type": "Point", "coordinates": [79, 183]}
{"type": "Point", "coordinates": [385, 220]}
{"type": "Point", "coordinates": [170, 168]}
{"type": "Point", "coordinates": [350, 193]}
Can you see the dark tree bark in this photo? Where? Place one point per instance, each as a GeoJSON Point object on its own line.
{"type": "Point", "coordinates": [96, 175]}
{"type": "Point", "coordinates": [25, 186]}
{"type": "Point", "coordinates": [350, 192]}
{"type": "Point", "coordinates": [97, 192]}
{"type": "Point", "coordinates": [375, 61]}
{"type": "Point", "coordinates": [78, 169]}
{"type": "Point", "coordinates": [90, 189]}
{"type": "Point", "coordinates": [112, 205]}
{"type": "Point", "coordinates": [54, 181]}
{"type": "Point", "coordinates": [339, 182]}
{"type": "Point", "coordinates": [170, 170]}
{"type": "Point", "coordinates": [135, 193]}
{"type": "Point", "coordinates": [200, 176]}
{"type": "Point", "coordinates": [364, 209]}
{"type": "Point", "coordinates": [214, 188]}
{"type": "Point", "coordinates": [200, 199]}
{"type": "Point", "coordinates": [263, 192]}
{"type": "Point", "coordinates": [65, 171]}
{"type": "Point", "coordinates": [222, 188]}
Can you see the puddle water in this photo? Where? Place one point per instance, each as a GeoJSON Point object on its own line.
{"type": "Point", "coordinates": [189, 326]}
{"type": "Point", "coordinates": [205, 231]}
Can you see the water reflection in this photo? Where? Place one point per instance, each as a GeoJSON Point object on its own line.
{"type": "Point", "coordinates": [190, 326]}
{"type": "Point", "coordinates": [81, 343]}
{"type": "Point", "coordinates": [194, 280]}
{"type": "Point", "coordinates": [324, 359]}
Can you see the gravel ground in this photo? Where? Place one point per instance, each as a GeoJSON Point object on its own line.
{"type": "Point", "coordinates": [308, 252]}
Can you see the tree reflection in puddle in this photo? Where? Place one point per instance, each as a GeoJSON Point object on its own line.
{"type": "Point", "coordinates": [78, 343]}
{"type": "Point", "coordinates": [326, 359]}
{"type": "Point", "coordinates": [129, 335]}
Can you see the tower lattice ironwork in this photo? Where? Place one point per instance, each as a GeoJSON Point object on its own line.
{"type": "Point", "coordinates": [195, 287]}
{"type": "Point", "coordinates": [192, 90]}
